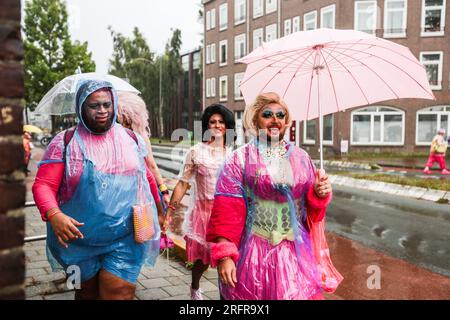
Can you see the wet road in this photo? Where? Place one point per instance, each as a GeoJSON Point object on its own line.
{"type": "Point", "coordinates": [417, 231]}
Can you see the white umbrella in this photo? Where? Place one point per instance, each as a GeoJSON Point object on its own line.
{"type": "Point", "coordinates": [60, 100]}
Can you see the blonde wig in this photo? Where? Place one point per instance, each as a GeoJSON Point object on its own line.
{"type": "Point", "coordinates": [252, 111]}
{"type": "Point", "coordinates": [133, 110]}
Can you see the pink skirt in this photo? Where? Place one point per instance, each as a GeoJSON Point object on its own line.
{"type": "Point", "coordinates": [199, 250]}
{"type": "Point", "coordinates": [271, 273]}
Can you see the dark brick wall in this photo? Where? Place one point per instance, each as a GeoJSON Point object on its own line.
{"type": "Point", "coordinates": [12, 188]}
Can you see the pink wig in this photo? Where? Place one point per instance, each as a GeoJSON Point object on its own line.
{"type": "Point", "coordinates": [133, 109]}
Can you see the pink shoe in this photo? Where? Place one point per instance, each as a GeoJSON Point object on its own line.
{"type": "Point", "coordinates": [427, 171]}
{"type": "Point", "coordinates": [445, 171]}
{"type": "Point", "coordinates": [196, 294]}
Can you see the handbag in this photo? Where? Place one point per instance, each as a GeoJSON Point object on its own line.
{"type": "Point", "coordinates": [440, 148]}
{"type": "Point", "coordinates": [144, 228]}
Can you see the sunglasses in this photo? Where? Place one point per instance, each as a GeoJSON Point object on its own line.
{"type": "Point", "coordinates": [267, 114]}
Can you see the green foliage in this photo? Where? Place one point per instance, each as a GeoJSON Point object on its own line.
{"type": "Point", "coordinates": [50, 54]}
{"type": "Point", "coordinates": [133, 59]}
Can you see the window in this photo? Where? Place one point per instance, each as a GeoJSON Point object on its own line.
{"type": "Point", "coordinates": [295, 24]}
{"type": "Point", "coordinates": [208, 20]}
{"type": "Point", "coordinates": [213, 87]}
{"type": "Point", "coordinates": [309, 130]}
{"type": "Point", "coordinates": [239, 46]}
{"type": "Point", "coordinates": [213, 53]}
{"type": "Point", "coordinates": [366, 16]}
{"type": "Point", "coordinates": [328, 17]}
{"type": "Point", "coordinates": [213, 18]}
{"type": "Point", "coordinates": [433, 17]}
{"type": "Point", "coordinates": [208, 88]}
{"type": "Point", "coordinates": [271, 32]}
{"type": "Point", "coordinates": [223, 16]}
{"type": "Point", "coordinates": [185, 62]}
{"type": "Point", "coordinates": [223, 52]}
{"type": "Point", "coordinates": [239, 11]}
{"type": "Point", "coordinates": [257, 38]}
{"type": "Point", "coordinates": [287, 27]}
{"type": "Point", "coordinates": [377, 126]}
{"type": "Point", "coordinates": [208, 54]}
{"type": "Point", "coordinates": [237, 81]}
{"type": "Point", "coordinates": [271, 6]}
{"type": "Point", "coordinates": [310, 21]}
{"type": "Point", "coordinates": [433, 65]}
{"type": "Point", "coordinates": [429, 121]}
{"type": "Point", "coordinates": [223, 88]}
{"type": "Point", "coordinates": [395, 18]}
{"type": "Point", "coordinates": [258, 9]}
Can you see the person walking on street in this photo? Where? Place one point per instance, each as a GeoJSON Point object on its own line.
{"type": "Point", "coordinates": [266, 230]}
{"type": "Point", "coordinates": [437, 152]}
{"type": "Point", "coordinates": [200, 169]}
{"type": "Point", "coordinates": [27, 147]}
{"type": "Point", "coordinates": [91, 188]}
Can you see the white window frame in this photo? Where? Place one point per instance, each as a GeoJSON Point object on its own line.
{"type": "Point", "coordinates": [213, 87]}
{"type": "Point", "coordinates": [439, 113]}
{"type": "Point", "coordinates": [307, 16]}
{"type": "Point", "coordinates": [213, 18]}
{"type": "Point", "coordinates": [213, 53]}
{"type": "Point", "coordinates": [208, 20]}
{"type": "Point", "coordinates": [258, 33]}
{"type": "Point", "coordinates": [296, 23]}
{"type": "Point", "coordinates": [372, 115]}
{"type": "Point", "coordinates": [271, 8]}
{"type": "Point", "coordinates": [258, 10]}
{"type": "Point", "coordinates": [240, 38]}
{"type": "Point", "coordinates": [208, 54]}
{"type": "Point", "coordinates": [386, 33]}
{"type": "Point", "coordinates": [238, 97]}
{"type": "Point", "coordinates": [356, 16]}
{"type": "Point", "coordinates": [237, 6]}
{"type": "Point", "coordinates": [287, 27]}
{"type": "Point", "coordinates": [274, 27]}
{"type": "Point", "coordinates": [423, 33]}
{"type": "Point", "coordinates": [223, 25]}
{"type": "Point", "coordinates": [221, 79]}
{"type": "Point", "coordinates": [440, 67]}
{"type": "Point", "coordinates": [221, 63]}
{"type": "Point", "coordinates": [307, 141]}
{"type": "Point", "coordinates": [325, 10]}
{"type": "Point", "coordinates": [208, 88]}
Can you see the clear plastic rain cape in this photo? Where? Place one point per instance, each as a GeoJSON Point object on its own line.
{"type": "Point", "coordinates": [200, 169]}
{"type": "Point", "coordinates": [280, 248]}
{"type": "Point", "coordinates": [104, 174]}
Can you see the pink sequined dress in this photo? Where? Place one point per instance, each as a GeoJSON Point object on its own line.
{"type": "Point", "coordinates": [200, 170]}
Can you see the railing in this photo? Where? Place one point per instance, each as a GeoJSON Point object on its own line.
{"type": "Point", "coordinates": [33, 238]}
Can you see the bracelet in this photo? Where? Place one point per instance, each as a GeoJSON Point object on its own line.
{"type": "Point", "coordinates": [162, 187]}
{"type": "Point", "coordinates": [52, 214]}
{"type": "Point", "coordinates": [172, 207]}
{"type": "Point", "coordinates": [224, 258]}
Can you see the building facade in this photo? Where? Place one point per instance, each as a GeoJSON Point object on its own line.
{"type": "Point", "coordinates": [234, 28]}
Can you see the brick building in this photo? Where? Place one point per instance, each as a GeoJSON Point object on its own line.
{"type": "Point", "coordinates": [233, 28]}
{"type": "Point", "coordinates": [12, 188]}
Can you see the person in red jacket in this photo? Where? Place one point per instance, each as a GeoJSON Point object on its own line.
{"type": "Point", "coordinates": [87, 188]}
{"type": "Point", "coordinates": [266, 230]}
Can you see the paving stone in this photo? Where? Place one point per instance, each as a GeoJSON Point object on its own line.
{"type": "Point", "coordinates": [35, 272]}
{"type": "Point", "coordinates": [211, 274]}
{"type": "Point", "coordinates": [151, 274]}
{"type": "Point", "coordinates": [208, 286]}
{"type": "Point", "coordinates": [37, 264]}
{"type": "Point", "coordinates": [175, 280]}
{"type": "Point", "coordinates": [151, 294]}
{"type": "Point", "coordinates": [177, 290]}
{"type": "Point", "coordinates": [175, 272]}
{"type": "Point", "coordinates": [179, 297]}
{"type": "Point", "coordinates": [155, 283]}
{"type": "Point", "coordinates": [212, 295]}
{"type": "Point", "coordinates": [69, 295]}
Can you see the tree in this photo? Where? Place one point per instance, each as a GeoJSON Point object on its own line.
{"type": "Point", "coordinates": [50, 54]}
{"type": "Point", "coordinates": [133, 60]}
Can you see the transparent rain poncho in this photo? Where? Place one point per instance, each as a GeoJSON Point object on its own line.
{"type": "Point", "coordinates": [200, 170]}
{"type": "Point", "coordinates": [104, 174]}
{"type": "Point", "coordinates": [282, 253]}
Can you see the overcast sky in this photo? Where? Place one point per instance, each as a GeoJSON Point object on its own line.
{"type": "Point", "coordinates": [89, 20]}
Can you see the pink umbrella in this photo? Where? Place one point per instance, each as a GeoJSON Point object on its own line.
{"type": "Point", "coordinates": [324, 71]}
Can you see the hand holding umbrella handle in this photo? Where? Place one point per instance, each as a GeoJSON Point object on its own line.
{"type": "Point", "coordinates": [322, 184]}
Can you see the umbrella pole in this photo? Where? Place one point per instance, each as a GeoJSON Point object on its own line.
{"type": "Point", "coordinates": [321, 137]}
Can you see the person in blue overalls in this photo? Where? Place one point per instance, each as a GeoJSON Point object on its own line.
{"type": "Point", "coordinates": [87, 183]}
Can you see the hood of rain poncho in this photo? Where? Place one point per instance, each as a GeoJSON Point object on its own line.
{"type": "Point", "coordinates": [84, 89]}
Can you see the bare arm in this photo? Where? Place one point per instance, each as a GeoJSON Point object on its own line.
{"type": "Point", "coordinates": [177, 195]}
